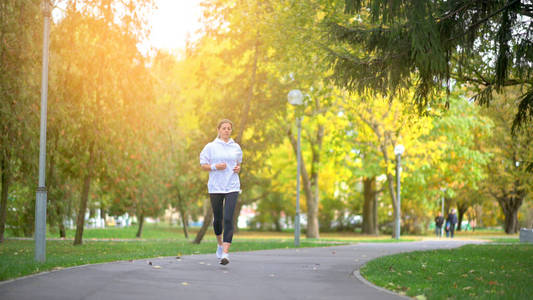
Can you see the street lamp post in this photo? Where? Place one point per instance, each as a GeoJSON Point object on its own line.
{"type": "Point", "coordinates": [295, 98]}
{"type": "Point", "coordinates": [398, 151]}
{"type": "Point", "coordinates": [41, 197]}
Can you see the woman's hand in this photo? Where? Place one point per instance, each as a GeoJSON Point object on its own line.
{"type": "Point", "coordinates": [220, 166]}
{"type": "Point", "coordinates": [237, 169]}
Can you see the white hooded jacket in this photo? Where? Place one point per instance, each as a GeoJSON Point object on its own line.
{"type": "Point", "coordinates": [222, 181]}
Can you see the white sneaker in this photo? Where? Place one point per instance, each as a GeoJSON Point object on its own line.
{"type": "Point", "coordinates": [219, 252]}
{"type": "Point", "coordinates": [225, 259]}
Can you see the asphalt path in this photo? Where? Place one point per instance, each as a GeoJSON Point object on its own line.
{"type": "Point", "coordinates": [305, 273]}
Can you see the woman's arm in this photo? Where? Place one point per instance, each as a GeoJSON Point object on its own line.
{"type": "Point", "coordinates": [213, 167]}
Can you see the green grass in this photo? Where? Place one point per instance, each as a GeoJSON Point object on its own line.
{"type": "Point", "coordinates": [506, 240]}
{"type": "Point", "coordinates": [488, 271]}
{"type": "Point", "coordinates": [17, 256]}
{"type": "Point", "coordinates": [150, 231]}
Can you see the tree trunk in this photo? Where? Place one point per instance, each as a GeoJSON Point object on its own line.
{"type": "Point", "coordinates": [80, 222]}
{"type": "Point", "coordinates": [312, 213]}
{"type": "Point", "coordinates": [510, 202]}
{"type": "Point", "coordinates": [60, 212]}
{"type": "Point", "coordinates": [447, 206]}
{"type": "Point", "coordinates": [183, 217]}
{"type": "Point", "coordinates": [390, 185]}
{"type": "Point", "coordinates": [208, 219]}
{"type": "Point", "coordinates": [369, 206]}
{"type": "Point", "coordinates": [375, 210]}
{"type": "Point", "coordinates": [461, 209]}
{"type": "Point", "coordinates": [511, 221]}
{"type": "Point", "coordinates": [140, 228]}
{"type": "Point", "coordinates": [312, 206]}
{"type": "Point", "coordinates": [57, 214]}
{"type": "Point", "coordinates": [4, 172]}
{"type": "Point", "coordinates": [510, 206]}
{"type": "Point", "coordinates": [277, 221]}
{"type": "Point", "coordinates": [62, 230]}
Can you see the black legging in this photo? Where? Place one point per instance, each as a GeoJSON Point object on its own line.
{"type": "Point", "coordinates": [217, 203]}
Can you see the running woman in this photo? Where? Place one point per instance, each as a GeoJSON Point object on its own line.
{"type": "Point", "coordinates": [222, 158]}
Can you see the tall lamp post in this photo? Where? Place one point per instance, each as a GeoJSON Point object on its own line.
{"type": "Point", "coordinates": [41, 197]}
{"type": "Point", "coordinates": [398, 151]}
{"type": "Point", "coordinates": [296, 98]}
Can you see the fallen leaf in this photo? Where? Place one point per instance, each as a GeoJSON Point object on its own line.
{"type": "Point", "coordinates": [157, 267]}
{"type": "Point", "coordinates": [467, 288]}
{"type": "Point", "coordinates": [184, 283]}
{"type": "Point", "coordinates": [493, 282]}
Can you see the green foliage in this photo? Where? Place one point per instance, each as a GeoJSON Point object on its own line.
{"type": "Point", "coordinates": [486, 46]}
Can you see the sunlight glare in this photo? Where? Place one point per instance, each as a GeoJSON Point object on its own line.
{"type": "Point", "coordinates": [173, 22]}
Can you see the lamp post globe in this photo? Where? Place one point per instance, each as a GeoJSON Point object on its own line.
{"type": "Point", "coordinates": [295, 97]}
{"type": "Point", "coordinates": [399, 149]}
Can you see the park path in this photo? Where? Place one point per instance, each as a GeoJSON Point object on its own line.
{"type": "Point", "coordinates": [305, 273]}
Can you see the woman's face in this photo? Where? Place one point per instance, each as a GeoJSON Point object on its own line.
{"type": "Point", "coordinates": [224, 131]}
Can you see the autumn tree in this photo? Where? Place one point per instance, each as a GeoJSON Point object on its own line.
{"type": "Point", "coordinates": [99, 91]}
{"type": "Point", "coordinates": [509, 181]}
{"type": "Point", "coordinates": [20, 44]}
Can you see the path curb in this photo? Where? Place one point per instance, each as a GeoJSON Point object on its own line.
{"type": "Point", "coordinates": [358, 276]}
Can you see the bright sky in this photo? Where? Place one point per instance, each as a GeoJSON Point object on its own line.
{"type": "Point", "coordinates": [173, 22]}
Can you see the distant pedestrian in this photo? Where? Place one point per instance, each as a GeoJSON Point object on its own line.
{"type": "Point", "coordinates": [439, 220]}
{"type": "Point", "coordinates": [473, 224]}
{"type": "Point", "coordinates": [451, 221]}
{"type": "Point", "coordinates": [222, 158]}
